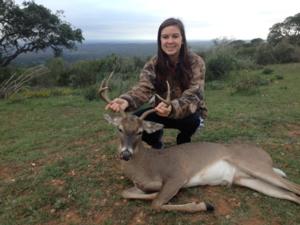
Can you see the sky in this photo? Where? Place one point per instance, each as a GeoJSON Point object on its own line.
{"type": "Point", "coordinates": [203, 20]}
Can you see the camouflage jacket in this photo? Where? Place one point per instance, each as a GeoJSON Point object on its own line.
{"type": "Point", "coordinates": [184, 102]}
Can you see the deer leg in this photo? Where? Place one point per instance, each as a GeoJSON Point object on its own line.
{"type": "Point", "coordinates": [188, 207]}
{"type": "Point", "coordinates": [168, 191]}
{"type": "Point", "coordinates": [136, 193]}
{"type": "Point", "coordinates": [268, 189]}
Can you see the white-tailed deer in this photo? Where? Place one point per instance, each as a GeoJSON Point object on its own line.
{"type": "Point", "coordinates": [159, 174]}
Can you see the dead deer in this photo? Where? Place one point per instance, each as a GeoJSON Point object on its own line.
{"type": "Point", "coordinates": [159, 174]}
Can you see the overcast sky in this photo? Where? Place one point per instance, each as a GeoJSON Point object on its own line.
{"type": "Point", "coordinates": [204, 20]}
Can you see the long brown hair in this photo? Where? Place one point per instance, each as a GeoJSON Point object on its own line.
{"type": "Point", "coordinates": [163, 65]}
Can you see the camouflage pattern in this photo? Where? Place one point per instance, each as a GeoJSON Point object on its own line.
{"type": "Point", "coordinates": [183, 103]}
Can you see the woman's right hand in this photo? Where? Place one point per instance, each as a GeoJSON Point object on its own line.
{"type": "Point", "coordinates": [117, 105]}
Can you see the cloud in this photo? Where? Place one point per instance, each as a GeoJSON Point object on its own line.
{"type": "Point", "coordinates": [135, 19]}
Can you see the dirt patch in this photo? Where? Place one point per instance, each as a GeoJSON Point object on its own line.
{"type": "Point", "coordinates": [253, 221]}
{"type": "Point", "coordinates": [293, 130]}
{"type": "Point", "coordinates": [100, 218]}
{"type": "Point", "coordinates": [58, 184]}
{"type": "Point", "coordinates": [7, 174]}
{"type": "Point", "coordinates": [79, 142]}
{"type": "Point", "coordinates": [71, 217]}
{"type": "Point", "coordinates": [138, 218]}
{"type": "Point", "coordinates": [294, 133]}
{"type": "Point", "coordinates": [224, 205]}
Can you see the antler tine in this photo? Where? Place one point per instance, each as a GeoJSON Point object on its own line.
{"type": "Point", "coordinates": [102, 91]}
{"type": "Point", "coordinates": [146, 113]}
{"type": "Point", "coordinates": [167, 101]}
{"type": "Point", "coordinates": [168, 98]}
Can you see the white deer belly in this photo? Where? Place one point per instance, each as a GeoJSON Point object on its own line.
{"type": "Point", "coordinates": [220, 173]}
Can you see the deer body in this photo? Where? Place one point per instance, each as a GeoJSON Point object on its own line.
{"type": "Point", "coordinates": [195, 164]}
{"type": "Point", "coordinates": [159, 174]}
{"type": "Point", "coordinates": [155, 166]}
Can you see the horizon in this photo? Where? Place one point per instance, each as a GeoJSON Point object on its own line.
{"type": "Point", "coordinates": [136, 40]}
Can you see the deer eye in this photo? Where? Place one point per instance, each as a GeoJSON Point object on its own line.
{"type": "Point", "coordinates": [120, 130]}
{"type": "Point", "coordinates": [140, 132]}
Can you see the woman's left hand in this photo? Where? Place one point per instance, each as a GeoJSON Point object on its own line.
{"type": "Point", "coordinates": [162, 109]}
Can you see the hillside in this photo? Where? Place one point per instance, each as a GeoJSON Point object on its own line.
{"type": "Point", "coordinates": [94, 50]}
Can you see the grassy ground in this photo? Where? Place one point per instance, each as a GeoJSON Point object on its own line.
{"type": "Point", "coordinates": [57, 161]}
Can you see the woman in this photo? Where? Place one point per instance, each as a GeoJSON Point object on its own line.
{"type": "Point", "coordinates": [185, 72]}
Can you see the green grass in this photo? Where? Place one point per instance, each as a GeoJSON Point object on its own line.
{"type": "Point", "coordinates": [57, 161]}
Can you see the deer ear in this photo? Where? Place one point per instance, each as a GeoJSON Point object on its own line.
{"type": "Point", "coordinates": [112, 120]}
{"type": "Point", "coordinates": [151, 127]}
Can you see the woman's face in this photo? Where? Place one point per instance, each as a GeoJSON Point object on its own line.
{"type": "Point", "coordinates": [171, 41]}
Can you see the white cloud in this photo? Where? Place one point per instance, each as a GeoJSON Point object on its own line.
{"type": "Point", "coordinates": [112, 19]}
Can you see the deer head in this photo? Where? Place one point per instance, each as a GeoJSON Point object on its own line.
{"type": "Point", "coordinates": [130, 127]}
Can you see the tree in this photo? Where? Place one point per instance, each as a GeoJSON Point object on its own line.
{"type": "Point", "coordinates": [288, 30]}
{"type": "Point", "coordinates": [256, 42]}
{"type": "Point", "coordinates": [33, 28]}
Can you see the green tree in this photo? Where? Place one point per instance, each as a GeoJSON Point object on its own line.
{"type": "Point", "coordinates": [288, 30]}
{"type": "Point", "coordinates": [33, 28]}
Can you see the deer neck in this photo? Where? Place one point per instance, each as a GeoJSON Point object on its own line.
{"type": "Point", "coordinates": [140, 157]}
{"type": "Point", "coordinates": [142, 167]}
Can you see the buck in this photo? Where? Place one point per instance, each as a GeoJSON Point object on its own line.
{"type": "Point", "coordinates": [159, 174]}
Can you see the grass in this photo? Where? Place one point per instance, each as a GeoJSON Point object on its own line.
{"type": "Point", "coordinates": [57, 162]}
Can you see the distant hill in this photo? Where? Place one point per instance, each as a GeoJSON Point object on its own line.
{"type": "Point", "coordinates": [95, 50]}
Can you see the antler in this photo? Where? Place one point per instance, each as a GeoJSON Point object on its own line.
{"type": "Point", "coordinates": [167, 101]}
{"type": "Point", "coordinates": [102, 91]}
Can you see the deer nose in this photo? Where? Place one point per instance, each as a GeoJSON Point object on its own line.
{"type": "Point", "coordinates": [125, 155]}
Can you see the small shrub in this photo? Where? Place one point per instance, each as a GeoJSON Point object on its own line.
{"type": "Point", "coordinates": [219, 66]}
{"type": "Point", "coordinates": [215, 85]}
{"type": "Point", "coordinates": [267, 71]}
{"type": "Point", "coordinates": [279, 77]}
{"type": "Point", "coordinates": [248, 84]}
{"type": "Point", "coordinates": [283, 88]}
{"type": "Point", "coordinates": [90, 93]}
{"type": "Point", "coordinates": [46, 92]}
{"type": "Point", "coordinates": [41, 93]}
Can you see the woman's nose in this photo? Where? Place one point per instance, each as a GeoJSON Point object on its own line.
{"type": "Point", "coordinates": [169, 40]}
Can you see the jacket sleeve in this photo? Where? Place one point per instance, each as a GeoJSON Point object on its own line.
{"type": "Point", "coordinates": [143, 90]}
{"type": "Point", "coordinates": [191, 99]}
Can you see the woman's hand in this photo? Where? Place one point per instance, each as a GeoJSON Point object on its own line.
{"type": "Point", "coordinates": [117, 105]}
{"type": "Point", "coordinates": [162, 109]}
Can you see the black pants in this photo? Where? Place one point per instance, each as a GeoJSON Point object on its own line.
{"type": "Point", "coordinates": [187, 127]}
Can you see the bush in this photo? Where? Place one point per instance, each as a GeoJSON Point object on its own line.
{"type": "Point", "coordinates": [219, 65]}
{"type": "Point", "coordinates": [279, 77]}
{"type": "Point", "coordinates": [84, 73]}
{"type": "Point", "coordinates": [57, 75]}
{"type": "Point", "coordinates": [248, 84]}
{"type": "Point", "coordinates": [267, 71]}
{"type": "Point", "coordinates": [285, 52]}
{"type": "Point", "coordinates": [41, 93]}
{"type": "Point", "coordinates": [215, 85]}
{"type": "Point", "coordinates": [265, 55]}
{"type": "Point", "coordinates": [91, 93]}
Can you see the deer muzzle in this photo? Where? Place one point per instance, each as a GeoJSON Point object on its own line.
{"type": "Point", "coordinates": [126, 155]}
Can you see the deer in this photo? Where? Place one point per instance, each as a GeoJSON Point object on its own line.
{"type": "Point", "coordinates": [158, 175]}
